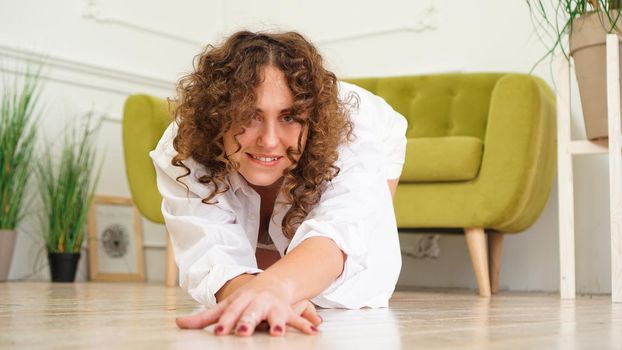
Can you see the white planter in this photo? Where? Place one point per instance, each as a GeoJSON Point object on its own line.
{"type": "Point", "coordinates": [587, 48]}
{"type": "Point", "coordinates": [7, 245]}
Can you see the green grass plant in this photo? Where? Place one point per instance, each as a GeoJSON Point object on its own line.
{"type": "Point", "coordinates": [553, 20]}
{"type": "Point", "coordinates": [18, 131]}
{"type": "Point", "coordinates": [67, 185]}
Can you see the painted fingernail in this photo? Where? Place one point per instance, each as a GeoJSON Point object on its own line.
{"type": "Point", "coordinates": [219, 329]}
{"type": "Point", "coordinates": [313, 328]}
{"type": "Point", "coordinates": [242, 329]}
{"type": "Point", "coordinates": [278, 329]}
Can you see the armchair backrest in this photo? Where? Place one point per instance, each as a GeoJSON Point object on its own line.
{"type": "Point", "coordinates": [438, 105]}
{"type": "Point", "coordinates": [144, 120]}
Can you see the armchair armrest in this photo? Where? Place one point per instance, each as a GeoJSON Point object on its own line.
{"type": "Point", "coordinates": [519, 157]}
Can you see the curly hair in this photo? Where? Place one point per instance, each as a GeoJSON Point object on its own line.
{"type": "Point", "coordinates": [221, 92]}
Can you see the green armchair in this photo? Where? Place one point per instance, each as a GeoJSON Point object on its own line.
{"type": "Point", "coordinates": [480, 157]}
{"type": "Point", "coordinates": [144, 120]}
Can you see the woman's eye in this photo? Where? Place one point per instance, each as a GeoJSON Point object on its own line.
{"type": "Point", "coordinates": [289, 118]}
{"type": "Point", "coordinates": [255, 118]}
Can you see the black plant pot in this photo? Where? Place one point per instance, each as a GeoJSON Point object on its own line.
{"type": "Point", "coordinates": [63, 266]}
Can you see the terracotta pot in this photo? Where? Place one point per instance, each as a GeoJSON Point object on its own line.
{"type": "Point", "coordinates": [588, 49]}
{"type": "Point", "coordinates": [7, 246]}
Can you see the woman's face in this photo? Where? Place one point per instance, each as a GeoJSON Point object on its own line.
{"type": "Point", "coordinates": [263, 145]}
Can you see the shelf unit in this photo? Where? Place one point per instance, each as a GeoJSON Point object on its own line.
{"type": "Point", "coordinates": [566, 149]}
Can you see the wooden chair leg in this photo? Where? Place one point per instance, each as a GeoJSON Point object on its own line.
{"type": "Point", "coordinates": [170, 279]}
{"type": "Point", "coordinates": [495, 248]}
{"type": "Point", "coordinates": [476, 242]}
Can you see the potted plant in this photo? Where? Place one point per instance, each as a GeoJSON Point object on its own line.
{"type": "Point", "coordinates": [67, 187]}
{"type": "Point", "coordinates": [17, 139]}
{"type": "Point", "coordinates": [586, 23]}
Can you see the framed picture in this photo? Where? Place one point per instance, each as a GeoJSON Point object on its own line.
{"type": "Point", "coordinates": [115, 240]}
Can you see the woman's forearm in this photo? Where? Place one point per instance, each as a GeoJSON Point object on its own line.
{"type": "Point", "coordinates": [308, 269]}
{"type": "Point", "coordinates": [303, 273]}
{"type": "Point", "coordinates": [393, 186]}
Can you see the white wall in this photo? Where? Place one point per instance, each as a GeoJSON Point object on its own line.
{"type": "Point", "coordinates": [100, 51]}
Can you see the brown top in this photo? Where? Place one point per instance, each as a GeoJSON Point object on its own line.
{"type": "Point", "coordinates": [266, 253]}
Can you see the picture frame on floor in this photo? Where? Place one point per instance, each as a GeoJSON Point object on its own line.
{"type": "Point", "coordinates": [115, 240]}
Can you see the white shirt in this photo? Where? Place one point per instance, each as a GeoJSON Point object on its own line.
{"type": "Point", "coordinates": [215, 243]}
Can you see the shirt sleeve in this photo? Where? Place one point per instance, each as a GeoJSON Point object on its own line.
{"type": "Point", "coordinates": [356, 209]}
{"type": "Point", "coordinates": [356, 212]}
{"type": "Point", "coordinates": [375, 116]}
{"type": "Point", "coordinates": [393, 140]}
{"type": "Point", "coordinates": [210, 246]}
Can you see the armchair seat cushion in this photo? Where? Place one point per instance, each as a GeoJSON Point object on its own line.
{"type": "Point", "coordinates": [439, 159]}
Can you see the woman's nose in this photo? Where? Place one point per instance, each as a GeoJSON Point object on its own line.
{"type": "Point", "coordinates": [268, 137]}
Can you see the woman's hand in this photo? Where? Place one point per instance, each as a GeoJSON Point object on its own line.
{"type": "Point", "coordinates": [259, 300]}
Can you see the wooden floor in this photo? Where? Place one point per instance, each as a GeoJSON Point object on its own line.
{"type": "Point", "coordinates": [136, 316]}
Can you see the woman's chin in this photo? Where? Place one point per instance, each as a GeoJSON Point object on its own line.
{"type": "Point", "coordinates": [262, 181]}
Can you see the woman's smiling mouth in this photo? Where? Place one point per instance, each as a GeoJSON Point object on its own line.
{"type": "Point", "coordinates": [268, 160]}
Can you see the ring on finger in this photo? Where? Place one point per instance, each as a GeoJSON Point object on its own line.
{"type": "Point", "coordinates": [249, 319]}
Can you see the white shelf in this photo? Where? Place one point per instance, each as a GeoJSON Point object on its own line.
{"type": "Point", "coordinates": [566, 148]}
{"type": "Point", "coordinates": [586, 147]}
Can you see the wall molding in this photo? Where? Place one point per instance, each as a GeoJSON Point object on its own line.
{"type": "Point", "coordinates": [114, 80]}
{"type": "Point", "coordinates": [425, 21]}
{"type": "Point", "coordinates": [95, 11]}
{"type": "Point", "coordinates": [76, 67]}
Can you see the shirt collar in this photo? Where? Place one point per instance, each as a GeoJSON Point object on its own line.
{"type": "Point", "coordinates": [238, 183]}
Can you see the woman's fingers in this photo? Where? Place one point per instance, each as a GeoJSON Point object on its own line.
{"type": "Point", "coordinates": [278, 318]}
{"type": "Point", "coordinates": [243, 314]}
{"type": "Point", "coordinates": [310, 313]}
{"type": "Point", "coordinates": [250, 319]}
{"type": "Point", "coordinates": [300, 306]}
{"type": "Point", "coordinates": [307, 310]}
{"type": "Point", "coordinates": [242, 319]}
{"type": "Point", "coordinates": [271, 310]}
{"type": "Point", "coordinates": [228, 320]}
{"type": "Point", "coordinates": [278, 321]}
{"type": "Point", "coordinates": [303, 325]}
{"type": "Point", "coordinates": [200, 320]}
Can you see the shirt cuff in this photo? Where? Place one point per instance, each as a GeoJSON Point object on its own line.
{"type": "Point", "coordinates": [393, 170]}
{"type": "Point", "coordinates": [396, 155]}
{"type": "Point", "coordinates": [218, 276]}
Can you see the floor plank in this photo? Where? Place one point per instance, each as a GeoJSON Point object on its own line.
{"type": "Point", "coordinates": [136, 316]}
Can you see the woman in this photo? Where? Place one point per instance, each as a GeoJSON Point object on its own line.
{"type": "Point", "coordinates": [277, 183]}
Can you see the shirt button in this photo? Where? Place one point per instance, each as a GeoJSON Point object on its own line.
{"type": "Point", "coordinates": [252, 216]}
